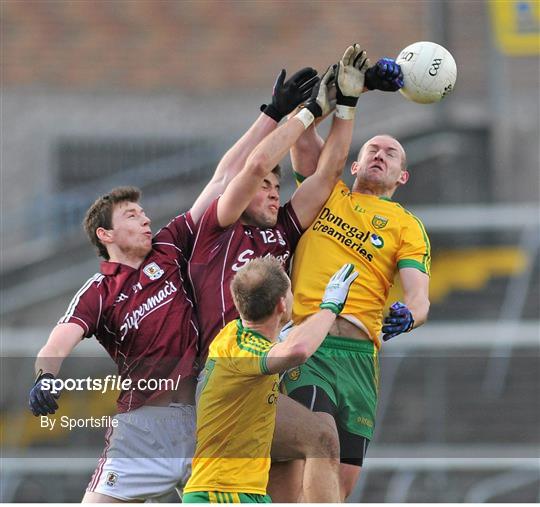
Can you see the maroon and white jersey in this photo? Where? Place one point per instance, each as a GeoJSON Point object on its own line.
{"type": "Point", "coordinates": [144, 317]}
{"type": "Point", "coordinates": [219, 252]}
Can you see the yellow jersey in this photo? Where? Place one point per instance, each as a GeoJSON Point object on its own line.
{"type": "Point", "coordinates": [236, 415]}
{"type": "Point", "coordinates": [377, 235]}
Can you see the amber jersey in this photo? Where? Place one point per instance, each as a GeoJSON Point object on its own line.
{"type": "Point", "coordinates": [143, 317]}
{"type": "Point", "coordinates": [236, 415]}
{"type": "Point", "coordinates": [377, 235]}
{"type": "Point", "coordinates": [218, 253]}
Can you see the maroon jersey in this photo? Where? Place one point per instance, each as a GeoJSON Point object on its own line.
{"type": "Point", "coordinates": [143, 317]}
{"type": "Point", "coordinates": [219, 252]}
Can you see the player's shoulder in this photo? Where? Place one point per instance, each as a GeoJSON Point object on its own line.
{"type": "Point", "coordinates": [409, 221]}
{"type": "Point", "coordinates": [224, 341]}
{"type": "Point", "coordinates": [181, 224]}
{"type": "Point", "coordinates": [234, 340]}
{"type": "Point", "coordinates": [341, 189]}
{"type": "Point", "coordinates": [250, 343]}
{"type": "Point", "coordinates": [96, 282]}
{"type": "Point", "coordinates": [405, 213]}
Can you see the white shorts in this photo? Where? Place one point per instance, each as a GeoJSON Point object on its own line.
{"type": "Point", "coordinates": [148, 454]}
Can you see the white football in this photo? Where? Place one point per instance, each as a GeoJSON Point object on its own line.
{"type": "Point", "coordinates": [429, 72]}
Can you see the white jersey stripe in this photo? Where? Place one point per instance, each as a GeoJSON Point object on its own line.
{"type": "Point", "coordinates": [296, 225]}
{"type": "Point", "coordinates": [222, 283]}
{"type": "Point", "coordinates": [75, 301]}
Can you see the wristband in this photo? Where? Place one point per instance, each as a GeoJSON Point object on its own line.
{"type": "Point", "coordinates": [271, 111]}
{"type": "Point", "coordinates": [41, 375]}
{"type": "Point", "coordinates": [345, 112]}
{"type": "Point", "coordinates": [333, 307]}
{"type": "Point", "coordinates": [346, 101]}
{"type": "Point", "coordinates": [305, 116]}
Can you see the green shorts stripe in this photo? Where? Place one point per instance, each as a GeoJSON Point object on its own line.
{"type": "Point", "coordinates": [348, 371]}
{"type": "Point", "coordinates": [224, 497]}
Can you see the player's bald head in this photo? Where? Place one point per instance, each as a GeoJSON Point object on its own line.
{"type": "Point", "coordinates": [257, 288]}
{"type": "Point", "coordinates": [386, 139]}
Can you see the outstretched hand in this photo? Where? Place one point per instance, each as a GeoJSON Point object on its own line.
{"type": "Point", "coordinates": [337, 289]}
{"type": "Point", "coordinates": [287, 95]}
{"type": "Point", "coordinates": [351, 71]}
{"type": "Point", "coordinates": [385, 75]}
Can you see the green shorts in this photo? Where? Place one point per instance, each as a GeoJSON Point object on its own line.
{"type": "Point", "coordinates": [347, 370]}
{"type": "Point", "coordinates": [222, 497]}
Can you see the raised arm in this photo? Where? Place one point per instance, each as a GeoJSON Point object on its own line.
{"type": "Point", "coordinates": [403, 318]}
{"type": "Point", "coordinates": [62, 340]}
{"type": "Point", "coordinates": [286, 96]}
{"type": "Point", "coordinates": [265, 157]}
{"type": "Point", "coordinates": [231, 164]}
{"type": "Point", "coordinates": [315, 190]}
{"type": "Point", "coordinates": [305, 339]}
{"type": "Point", "coordinates": [305, 153]}
{"type": "Point", "coordinates": [385, 75]}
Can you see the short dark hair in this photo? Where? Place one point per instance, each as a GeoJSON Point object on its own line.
{"type": "Point", "coordinates": [257, 287]}
{"type": "Point", "coordinates": [100, 214]}
{"type": "Point", "coordinates": [277, 171]}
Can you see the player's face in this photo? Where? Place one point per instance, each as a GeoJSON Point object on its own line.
{"type": "Point", "coordinates": [379, 167]}
{"type": "Point", "coordinates": [131, 233]}
{"type": "Point", "coordinates": [263, 208]}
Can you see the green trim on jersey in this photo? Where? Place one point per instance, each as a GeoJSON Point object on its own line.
{"type": "Point", "coordinates": [264, 366]}
{"type": "Point", "coordinates": [298, 177]}
{"type": "Point", "coordinates": [411, 263]}
{"type": "Point", "coordinates": [249, 330]}
{"type": "Point", "coordinates": [427, 256]}
{"type": "Point", "coordinates": [246, 339]}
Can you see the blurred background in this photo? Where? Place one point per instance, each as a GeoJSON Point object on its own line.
{"type": "Point", "coordinates": [151, 93]}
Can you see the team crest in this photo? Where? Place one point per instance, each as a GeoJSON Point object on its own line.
{"type": "Point", "coordinates": [376, 241]}
{"type": "Point", "coordinates": [153, 271]}
{"type": "Point", "coordinates": [111, 479]}
{"type": "Point", "coordinates": [379, 222]}
{"type": "Point", "coordinates": [294, 373]}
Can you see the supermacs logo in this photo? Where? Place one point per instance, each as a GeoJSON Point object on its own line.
{"type": "Point", "coordinates": [133, 319]}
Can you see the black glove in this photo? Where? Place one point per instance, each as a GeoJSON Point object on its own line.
{"type": "Point", "coordinates": [320, 102]}
{"type": "Point", "coordinates": [289, 94]}
{"type": "Point", "coordinates": [42, 401]}
{"type": "Point", "coordinates": [385, 75]}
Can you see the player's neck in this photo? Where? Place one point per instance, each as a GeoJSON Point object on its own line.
{"type": "Point", "coordinates": [376, 192]}
{"type": "Point", "coordinates": [268, 328]}
{"type": "Point", "coordinates": [133, 261]}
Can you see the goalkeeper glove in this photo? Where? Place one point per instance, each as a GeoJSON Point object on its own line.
{"type": "Point", "coordinates": [337, 290]}
{"type": "Point", "coordinates": [320, 103]}
{"type": "Point", "coordinates": [287, 95]}
{"type": "Point", "coordinates": [42, 401]}
{"type": "Point", "coordinates": [351, 72]}
{"type": "Point", "coordinates": [399, 320]}
{"type": "Point", "coordinates": [385, 75]}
